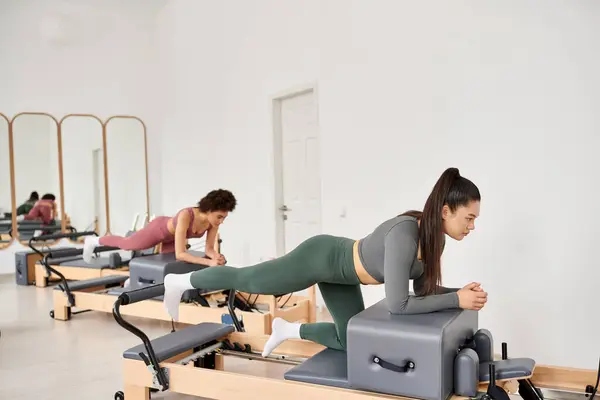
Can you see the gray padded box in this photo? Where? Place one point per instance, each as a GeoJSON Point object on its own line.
{"type": "Point", "coordinates": [151, 270]}
{"type": "Point", "coordinates": [423, 339]}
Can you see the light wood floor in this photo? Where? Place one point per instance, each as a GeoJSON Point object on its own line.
{"type": "Point", "coordinates": [44, 359]}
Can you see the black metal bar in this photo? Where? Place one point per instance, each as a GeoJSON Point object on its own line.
{"type": "Point", "coordinates": [231, 308]}
{"type": "Point", "coordinates": [60, 253]}
{"type": "Point", "coordinates": [145, 293]}
{"type": "Point", "coordinates": [504, 351]}
{"type": "Point", "coordinates": [162, 380]}
{"type": "Point", "coordinates": [492, 374]}
{"type": "Point", "coordinates": [528, 391]}
{"type": "Point", "coordinates": [72, 252]}
{"type": "Point", "coordinates": [56, 236]}
{"type": "Point", "coordinates": [70, 297]}
{"type": "Point", "coordinates": [71, 235]}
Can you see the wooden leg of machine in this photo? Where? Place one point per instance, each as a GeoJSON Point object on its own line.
{"type": "Point", "coordinates": [60, 310]}
{"type": "Point", "coordinates": [137, 393]}
{"type": "Point", "coordinates": [40, 276]}
{"type": "Point", "coordinates": [219, 362]}
{"type": "Point", "coordinates": [511, 387]}
{"type": "Point", "coordinates": [312, 297]}
{"type": "Point", "coordinates": [61, 313]}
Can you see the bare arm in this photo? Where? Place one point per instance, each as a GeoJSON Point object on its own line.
{"type": "Point", "coordinates": [183, 223]}
{"type": "Point", "coordinates": [211, 236]}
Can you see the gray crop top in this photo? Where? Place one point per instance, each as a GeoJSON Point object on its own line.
{"type": "Point", "coordinates": [389, 254]}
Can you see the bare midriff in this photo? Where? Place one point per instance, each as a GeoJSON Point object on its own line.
{"type": "Point", "coordinates": [361, 272]}
{"type": "Point", "coordinates": [364, 277]}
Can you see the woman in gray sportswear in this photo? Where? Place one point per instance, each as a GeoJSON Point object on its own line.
{"type": "Point", "coordinates": [408, 246]}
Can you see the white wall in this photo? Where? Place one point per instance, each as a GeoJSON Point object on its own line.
{"type": "Point", "coordinates": [81, 57]}
{"type": "Point", "coordinates": [506, 91]}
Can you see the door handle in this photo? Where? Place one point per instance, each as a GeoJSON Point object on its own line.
{"type": "Point", "coordinates": [285, 208]}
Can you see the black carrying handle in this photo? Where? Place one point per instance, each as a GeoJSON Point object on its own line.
{"type": "Point", "coordinates": [409, 366]}
{"type": "Point", "coordinates": [146, 281]}
{"type": "Point", "coordinates": [135, 295]}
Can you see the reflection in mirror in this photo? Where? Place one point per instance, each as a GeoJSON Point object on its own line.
{"type": "Point", "coordinates": [37, 184]}
{"type": "Point", "coordinates": [5, 187]}
{"type": "Point", "coordinates": [83, 173]}
{"type": "Point", "coordinates": [126, 162]}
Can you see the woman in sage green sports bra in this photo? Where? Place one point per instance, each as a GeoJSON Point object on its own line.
{"type": "Point", "coordinates": [408, 246]}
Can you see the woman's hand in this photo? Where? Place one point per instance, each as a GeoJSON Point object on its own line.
{"type": "Point", "coordinates": [219, 258]}
{"type": "Point", "coordinates": [212, 262]}
{"type": "Point", "coordinates": [472, 297]}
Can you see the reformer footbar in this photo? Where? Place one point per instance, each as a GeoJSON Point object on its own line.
{"type": "Point", "coordinates": [200, 338]}
{"type": "Point", "coordinates": [55, 236]}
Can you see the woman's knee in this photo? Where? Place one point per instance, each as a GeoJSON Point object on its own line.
{"type": "Point", "coordinates": [343, 342]}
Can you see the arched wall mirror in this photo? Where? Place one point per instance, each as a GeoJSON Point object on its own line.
{"type": "Point", "coordinates": [127, 175]}
{"type": "Point", "coordinates": [78, 174]}
{"type": "Point", "coordinates": [84, 189]}
{"type": "Point", "coordinates": [37, 175]}
{"type": "Point", "coordinates": [6, 205]}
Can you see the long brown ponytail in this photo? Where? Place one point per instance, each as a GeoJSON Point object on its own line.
{"type": "Point", "coordinates": [453, 190]}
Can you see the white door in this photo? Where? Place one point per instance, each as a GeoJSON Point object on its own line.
{"type": "Point", "coordinates": [300, 183]}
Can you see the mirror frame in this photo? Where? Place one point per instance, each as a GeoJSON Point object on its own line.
{"type": "Point", "coordinates": [11, 167]}
{"type": "Point", "coordinates": [105, 167]}
{"type": "Point", "coordinates": [10, 122]}
{"type": "Point", "coordinates": [106, 177]}
{"type": "Point", "coordinates": [60, 177]}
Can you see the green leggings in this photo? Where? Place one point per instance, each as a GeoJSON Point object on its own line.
{"type": "Point", "coordinates": [324, 260]}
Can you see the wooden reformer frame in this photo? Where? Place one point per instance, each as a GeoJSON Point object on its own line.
{"type": "Point", "coordinates": [72, 273]}
{"type": "Point", "coordinates": [300, 309]}
{"type": "Point", "coordinates": [218, 383]}
{"type": "Point", "coordinates": [202, 371]}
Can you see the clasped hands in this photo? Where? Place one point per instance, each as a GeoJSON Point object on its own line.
{"type": "Point", "coordinates": [215, 259]}
{"type": "Point", "coordinates": [472, 297]}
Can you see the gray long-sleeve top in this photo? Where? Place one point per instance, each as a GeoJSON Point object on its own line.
{"type": "Point", "coordinates": [389, 254]}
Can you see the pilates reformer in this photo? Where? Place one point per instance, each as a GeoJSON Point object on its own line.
{"type": "Point", "coordinates": [27, 229]}
{"type": "Point", "coordinates": [73, 267]}
{"type": "Point", "coordinates": [435, 356]}
{"type": "Point", "coordinates": [255, 312]}
{"type": "Point", "coordinates": [25, 261]}
{"type": "Point", "coordinates": [69, 261]}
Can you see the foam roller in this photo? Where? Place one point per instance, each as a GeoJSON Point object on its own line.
{"type": "Point", "coordinates": [466, 373]}
{"type": "Point", "coordinates": [484, 345]}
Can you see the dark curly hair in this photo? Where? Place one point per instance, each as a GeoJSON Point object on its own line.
{"type": "Point", "coordinates": [218, 200]}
